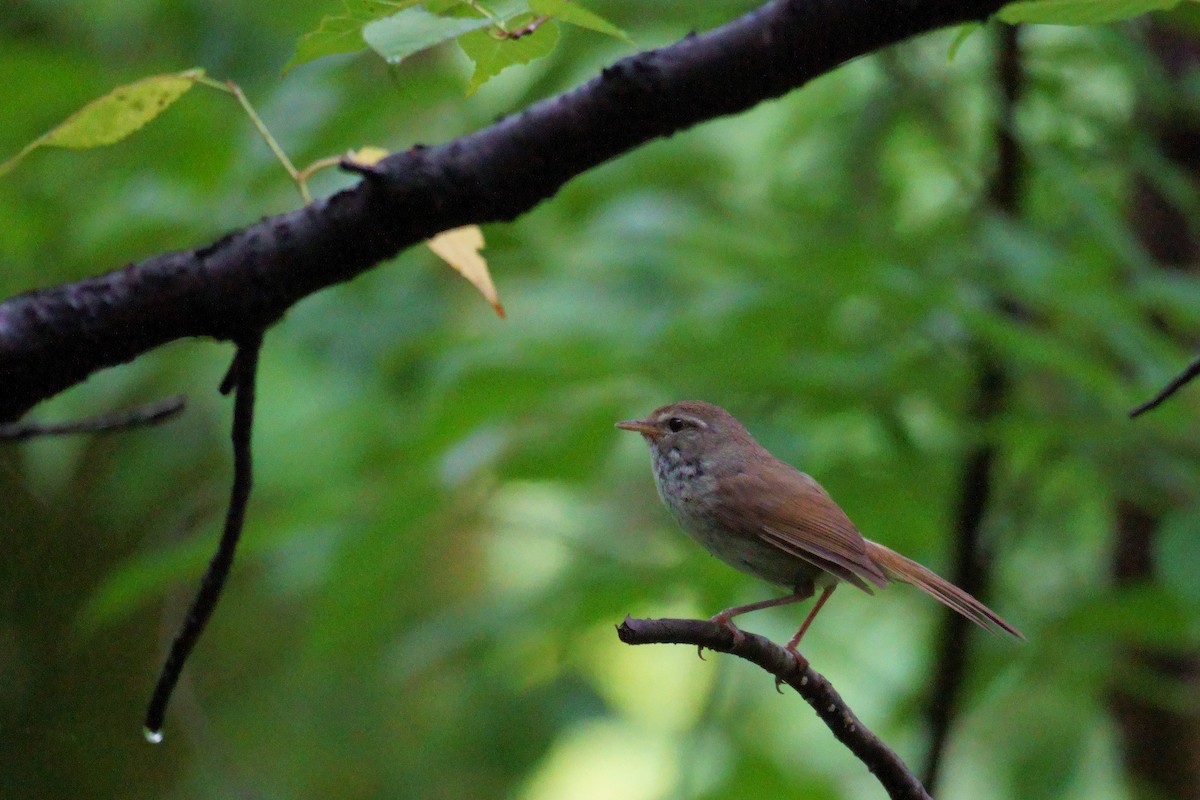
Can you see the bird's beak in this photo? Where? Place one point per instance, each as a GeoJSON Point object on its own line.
{"type": "Point", "coordinates": [640, 426]}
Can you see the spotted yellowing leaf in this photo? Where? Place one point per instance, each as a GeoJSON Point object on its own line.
{"type": "Point", "coordinates": [114, 116]}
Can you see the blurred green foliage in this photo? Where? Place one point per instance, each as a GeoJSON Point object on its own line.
{"type": "Point", "coordinates": [446, 527]}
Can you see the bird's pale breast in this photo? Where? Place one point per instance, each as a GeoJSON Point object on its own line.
{"type": "Point", "coordinates": [687, 489]}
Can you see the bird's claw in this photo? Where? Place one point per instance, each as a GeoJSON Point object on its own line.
{"type": "Point", "coordinates": [801, 665]}
{"type": "Point", "coordinates": [801, 661]}
{"type": "Point", "coordinates": [727, 624]}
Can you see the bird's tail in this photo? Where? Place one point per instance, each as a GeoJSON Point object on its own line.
{"type": "Point", "coordinates": [906, 570]}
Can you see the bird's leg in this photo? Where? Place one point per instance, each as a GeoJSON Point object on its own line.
{"type": "Point", "coordinates": [801, 661]}
{"type": "Point", "coordinates": [795, 640]}
{"type": "Point", "coordinates": [725, 618]}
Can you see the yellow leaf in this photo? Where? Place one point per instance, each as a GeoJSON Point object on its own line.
{"type": "Point", "coordinates": [368, 156]}
{"type": "Point", "coordinates": [460, 249]}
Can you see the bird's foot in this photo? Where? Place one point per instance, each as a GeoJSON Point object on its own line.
{"type": "Point", "coordinates": [801, 665]}
{"type": "Point", "coordinates": [726, 623]}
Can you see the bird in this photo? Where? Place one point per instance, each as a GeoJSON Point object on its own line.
{"type": "Point", "coordinates": [764, 517]}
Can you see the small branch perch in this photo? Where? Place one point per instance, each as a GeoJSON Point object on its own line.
{"type": "Point", "coordinates": [896, 778]}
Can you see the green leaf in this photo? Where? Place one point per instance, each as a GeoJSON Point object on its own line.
{"type": "Point", "coordinates": [960, 37]}
{"type": "Point", "coordinates": [506, 10]}
{"type": "Point", "coordinates": [575, 14]}
{"type": "Point", "coordinates": [415, 29]}
{"type": "Point", "coordinates": [492, 55]}
{"type": "Point", "coordinates": [446, 7]}
{"type": "Point", "coordinates": [342, 33]}
{"type": "Point", "coordinates": [1079, 12]}
{"type": "Point", "coordinates": [114, 116]}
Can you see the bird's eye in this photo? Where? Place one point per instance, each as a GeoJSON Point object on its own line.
{"type": "Point", "coordinates": [675, 424]}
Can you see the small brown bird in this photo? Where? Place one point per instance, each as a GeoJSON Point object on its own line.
{"type": "Point", "coordinates": [765, 517]}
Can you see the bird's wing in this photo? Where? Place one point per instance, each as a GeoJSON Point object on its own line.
{"type": "Point", "coordinates": [793, 512]}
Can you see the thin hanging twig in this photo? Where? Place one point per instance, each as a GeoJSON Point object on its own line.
{"type": "Point", "coordinates": [241, 379]}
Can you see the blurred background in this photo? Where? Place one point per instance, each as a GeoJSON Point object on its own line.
{"type": "Point", "coordinates": [947, 332]}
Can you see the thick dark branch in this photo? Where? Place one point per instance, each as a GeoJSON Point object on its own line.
{"type": "Point", "coordinates": [897, 779]}
{"type": "Point", "coordinates": [54, 338]}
